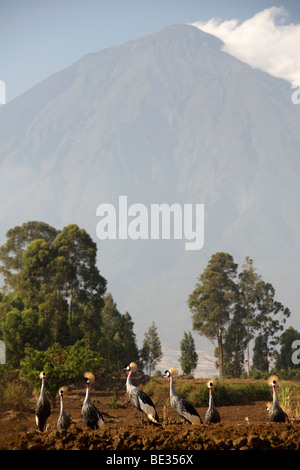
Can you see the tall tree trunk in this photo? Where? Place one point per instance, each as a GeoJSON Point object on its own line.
{"type": "Point", "coordinates": [220, 350]}
{"type": "Point", "coordinates": [71, 308]}
{"type": "Point", "coordinates": [248, 360]}
{"type": "Point", "coordinates": [235, 364]}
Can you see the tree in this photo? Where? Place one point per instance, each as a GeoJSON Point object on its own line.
{"type": "Point", "coordinates": [35, 285]}
{"type": "Point", "coordinates": [117, 343]}
{"type": "Point", "coordinates": [189, 357]}
{"type": "Point", "coordinates": [260, 354]}
{"type": "Point", "coordinates": [20, 329]}
{"type": "Point", "coordinates": [213, 299]}
{"type": "Point", "coordinates": [81, 283]}
{"type": "Point", "coordinates": [54, 273]}
{"type": "Point", "coordinates": [151, 352]}
{"type": "Point", "coordinates": [247, 303]}
{"type": "Point", "coordinates": [18, 239]}
{"type": "Point", "coordinates": [234, 345]}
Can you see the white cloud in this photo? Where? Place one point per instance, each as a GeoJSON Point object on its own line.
{"type": "Point", "coordinates": [264, 41]}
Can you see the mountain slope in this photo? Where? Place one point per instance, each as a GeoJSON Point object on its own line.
{"type": "Point", "coordinates": [166, 118]}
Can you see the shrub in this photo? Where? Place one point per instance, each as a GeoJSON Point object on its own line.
{"type": "Point", "coordinates": [14, 397]}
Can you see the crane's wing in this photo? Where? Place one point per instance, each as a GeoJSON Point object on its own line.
{"type": "Point", "coordinates": [64, 421]}
{"type": "Point", "coordinates": [146, 405]}
{"type": "Point", "coordinates": [277, 415]}
{"type": "Point", "coordinates": [212, 416]}
{"type": "Point", "coordinates": [42, 412]}
{"type": "Point", "coordinates": [189, 412]}
{"type": "Point", "coordinates": [93, 417]}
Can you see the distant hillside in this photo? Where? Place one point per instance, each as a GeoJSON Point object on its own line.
{"type": "Point", "coordinates": [166, 118]}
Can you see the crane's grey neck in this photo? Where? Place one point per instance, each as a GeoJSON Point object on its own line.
{"type": "Point", "coordinates": [211, 400]}
{"type": "Point", "coordinates": [43, 387]}
{"type": "Point", "coordinates": [274, 395]}
{"type": "Point", "coordinates": [87, 393]}
{"type": "Point", "coordinates": [128, 381]}
{"type": "Point", "coordinates": [61, 404]}
{"type": "Point", "coordinates": [172, 391]}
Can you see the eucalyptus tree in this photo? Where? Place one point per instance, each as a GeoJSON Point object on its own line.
{"type": "Point", "coordinates": [213, 300]}
{"type": "Point", "coordinates": [54, 273]}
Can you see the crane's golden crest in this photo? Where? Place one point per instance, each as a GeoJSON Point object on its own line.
{"type": "Point", "coordinates": [269, 405]}
{"type": "Point", "coordinates": [133, 366]}
{"type": "Point", "coordinates": [63, 389]}
{"type": "Point", "coordinates": [42, 374]}
{"type": "Point", "coordinates": [173, 371]}
{"type": "Point", "coordinates": [90, 376]}
{"type": "Point", "coordinates": [211, 383]}
{"type": "Point", "coordinates": [271, 380]}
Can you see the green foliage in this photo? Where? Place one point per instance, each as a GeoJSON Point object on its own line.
{"type": "Point", "coordinates": [53, 275]}
{"type": "Point", "coordinates": [242, 394]}
{"type": "Point", "coordinates": [117, 344]}
{"type": "Point", "coordinates": [22, 328]}
{"type": "Point", "coordinates": [287, 374]}
{"type": "Point", "coordinates": [260, 354]}
{"type": "Point", "coordinates": [63, 365]}
{"type": "Point", "coordinates": [18, 239]}
{"type": "Point", "coordinates": [53, 294]}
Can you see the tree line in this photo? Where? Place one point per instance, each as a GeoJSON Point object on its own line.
{"type": "Point", "coordinates": [55, 308]}
{"type": "Point", "coordinates": [54, 302]}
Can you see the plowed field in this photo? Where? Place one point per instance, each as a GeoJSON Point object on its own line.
{"type": "Point", "coordinates": [124, 429]}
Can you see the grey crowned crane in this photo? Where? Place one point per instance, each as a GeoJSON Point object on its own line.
{"type": "Point", "coordinates": [64, 421]}
{"type": "Point", "coordinates": [276, 414]}
{"type": "Point", "coordinates": [43, 407]}
{"type": "Point", "coordinates": [183, 408]}
{"type": "Point", "coordinates": [212, 415]}
{"type": "Point", "coordinates": [139, 398]}
{"type": "Point", "coordinates": [91, 415]}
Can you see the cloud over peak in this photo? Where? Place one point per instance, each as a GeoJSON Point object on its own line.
{"type": "Point", "coordinates": [264, 41]}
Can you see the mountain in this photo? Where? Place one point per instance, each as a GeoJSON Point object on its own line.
{"type": "Point", "coordinates": [168, 118]}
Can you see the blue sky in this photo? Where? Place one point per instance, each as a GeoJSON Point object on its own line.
{"type": "Point", "coordinates": [41, 37]}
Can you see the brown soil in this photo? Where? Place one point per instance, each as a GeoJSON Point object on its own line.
{"type": "Point", "coordinates": [124, 429]}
